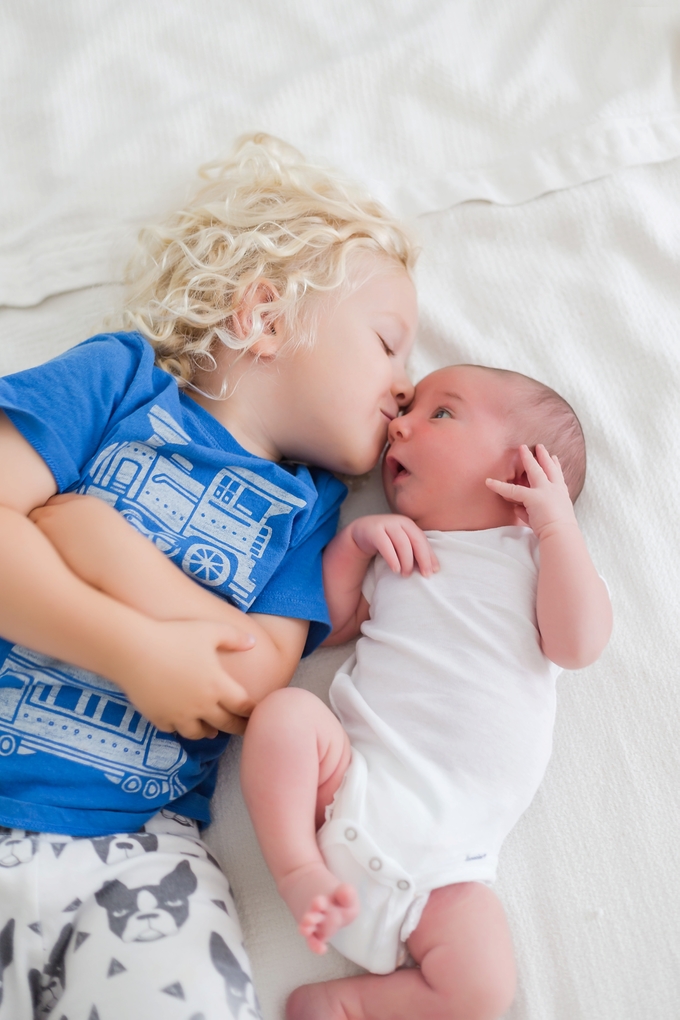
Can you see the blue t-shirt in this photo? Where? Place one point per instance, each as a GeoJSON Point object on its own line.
{"type": "Point", "coordinates": [75, 756]}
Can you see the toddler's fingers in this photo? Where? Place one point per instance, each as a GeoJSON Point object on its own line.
{"type": "Point", "coordinates": [194, 729]}
{"type": "Point", "coordinates": [231, 695]}
{"type": "Point", "coordinates": [62, 497]}
{"type": "Point", "coordinates": [225, 721]}
{"type": "Point", "coordinates": [209, 731]}
{"type": "Point", "coordinates": [232, 639]}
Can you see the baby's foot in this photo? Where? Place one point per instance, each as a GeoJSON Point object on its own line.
{"type": "Point", "coordinates": [326, 915]}
{"type": "Point", "coordinates": [319, 903]}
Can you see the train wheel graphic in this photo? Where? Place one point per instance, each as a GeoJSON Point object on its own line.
{"type": "Point", "coordinates": [206, 564]}
{"type": "Point", "coordinates": [7, 744]}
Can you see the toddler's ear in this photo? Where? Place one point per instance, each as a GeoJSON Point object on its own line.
{"type": "Point", "coordinates": [261, 293]}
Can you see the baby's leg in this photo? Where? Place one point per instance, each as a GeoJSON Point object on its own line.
{"type": "Point", "coordinates": [466, 969]}
{"type": "Point", "coordinates": [295, 753]}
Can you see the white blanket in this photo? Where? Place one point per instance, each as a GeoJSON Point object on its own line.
{"type": "Point", "coordinates": [108, 109]}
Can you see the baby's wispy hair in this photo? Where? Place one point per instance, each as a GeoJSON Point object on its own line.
{"type": "Point", "coordinates": [538, 414]}
{"type": "Point", "coordinates": [535, 413]}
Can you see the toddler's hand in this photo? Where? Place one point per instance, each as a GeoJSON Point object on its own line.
{"type": "Point", "coordinates": [545, 503]}
{"type": "Point", "coordinates": [399, 541]}
{"type": "Point", "coordinates": [178, 683]}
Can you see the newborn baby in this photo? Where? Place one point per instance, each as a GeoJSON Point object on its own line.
{"type": "Point", "coordinates": [382, 821]}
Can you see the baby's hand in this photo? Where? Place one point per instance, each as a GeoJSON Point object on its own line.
{"type": "Point", "coordinates": [399, 541]}
{"type": "Point", "coordinates": [545, 503]}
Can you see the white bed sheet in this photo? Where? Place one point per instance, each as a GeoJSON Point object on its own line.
{"type": "Point", "coordinates": [109, 107]}
{"type": "Point", "coordinates": [433, 103]}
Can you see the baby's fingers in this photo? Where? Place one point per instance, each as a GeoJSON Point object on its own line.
{"type": "Point", "coordinates": [508, 490]}
{"type": "Point", "coordinates": [385, 546]}
{"type": "Point", "coordinates": [428, 563]}
{"type": "Point", "coordinates": [550, 465]}
{"type": "Point", "coordinates": [403, 551]}
{"type": "Point", "coordinates": [533, 466]}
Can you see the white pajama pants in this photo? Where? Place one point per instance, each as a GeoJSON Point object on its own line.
{"type": "Point", "coordinates": [130, 927]}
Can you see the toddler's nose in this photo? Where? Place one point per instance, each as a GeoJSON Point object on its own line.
{"type": "Point", "coordinates": [403, 390]}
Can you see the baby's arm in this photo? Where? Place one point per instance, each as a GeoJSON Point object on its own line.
{"type": "Point", "coordinates": [573, 610]}
{"type": "Point", "coordinates": [346, 558]}
{"type": "Point", "coordinates": [102, 549]}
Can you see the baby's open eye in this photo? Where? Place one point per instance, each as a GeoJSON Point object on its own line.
{"type": "Point", "coordinates": [442, 412]}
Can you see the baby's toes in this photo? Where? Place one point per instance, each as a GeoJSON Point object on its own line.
{"type": "Point", "coordinates": [345, 896]}
{"type": "Point", "coordinates": [347, 902]}
{"type": "Point", "coordinates": [314, 916]}
{"type": "Point", "coordinates": [317, 945]}
{"type": "Point", "coordinates": [309, 923]}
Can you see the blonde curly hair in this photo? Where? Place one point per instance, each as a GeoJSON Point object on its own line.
{"type": "Point", "coordinates": [265, 214]}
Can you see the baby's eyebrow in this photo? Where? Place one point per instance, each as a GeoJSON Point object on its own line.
{"type": "Point", "coordinates": [453, 396]}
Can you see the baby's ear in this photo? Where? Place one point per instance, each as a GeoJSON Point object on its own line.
{"type": "Point", "coordinates": [515, 472]}
{"type": "Point", "coordinates": [520, 478]}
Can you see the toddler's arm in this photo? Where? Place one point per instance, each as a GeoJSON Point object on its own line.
{"type": "Point", "coordinates": [346, 558]}
{"type": "Point", "coordinates": [573, 610]}
{"type": "Point", "coordinates": [102, 549]}
{"type": "Point", "coordinates": [45, 606]}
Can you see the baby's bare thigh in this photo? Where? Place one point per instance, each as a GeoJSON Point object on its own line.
{"type": "Point", "coordinates": [300, 726]}
{"type": "Point", "coordinates": [463, 939]}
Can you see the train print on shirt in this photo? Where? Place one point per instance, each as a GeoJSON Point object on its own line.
{"type": "Point", "coordinates": [215, 532]}
{"type": "Point", "coordinates": [84, 718]}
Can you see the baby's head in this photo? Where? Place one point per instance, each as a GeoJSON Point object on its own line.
{"type": "Point", "coordinates": [465, 424]}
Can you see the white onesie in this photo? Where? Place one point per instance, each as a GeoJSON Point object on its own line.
{"type": "Point", "coordinates": [449, 704]}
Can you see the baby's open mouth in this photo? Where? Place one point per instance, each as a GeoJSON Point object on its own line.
{"type": "Point", "coordinates": [395, 468]}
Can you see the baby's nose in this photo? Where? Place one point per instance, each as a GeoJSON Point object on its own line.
{"type": "Point", "coordinates": [398, 428]}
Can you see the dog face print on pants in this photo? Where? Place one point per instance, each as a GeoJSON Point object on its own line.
{"type": "Point", "coordinates": [150, 912]}
{"type": "Point", "coordinates": [112, 849]}
{"type": "Point", "coordinates": [47, 988]}
{"type": "Point", "coordinates": [16, 847]}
